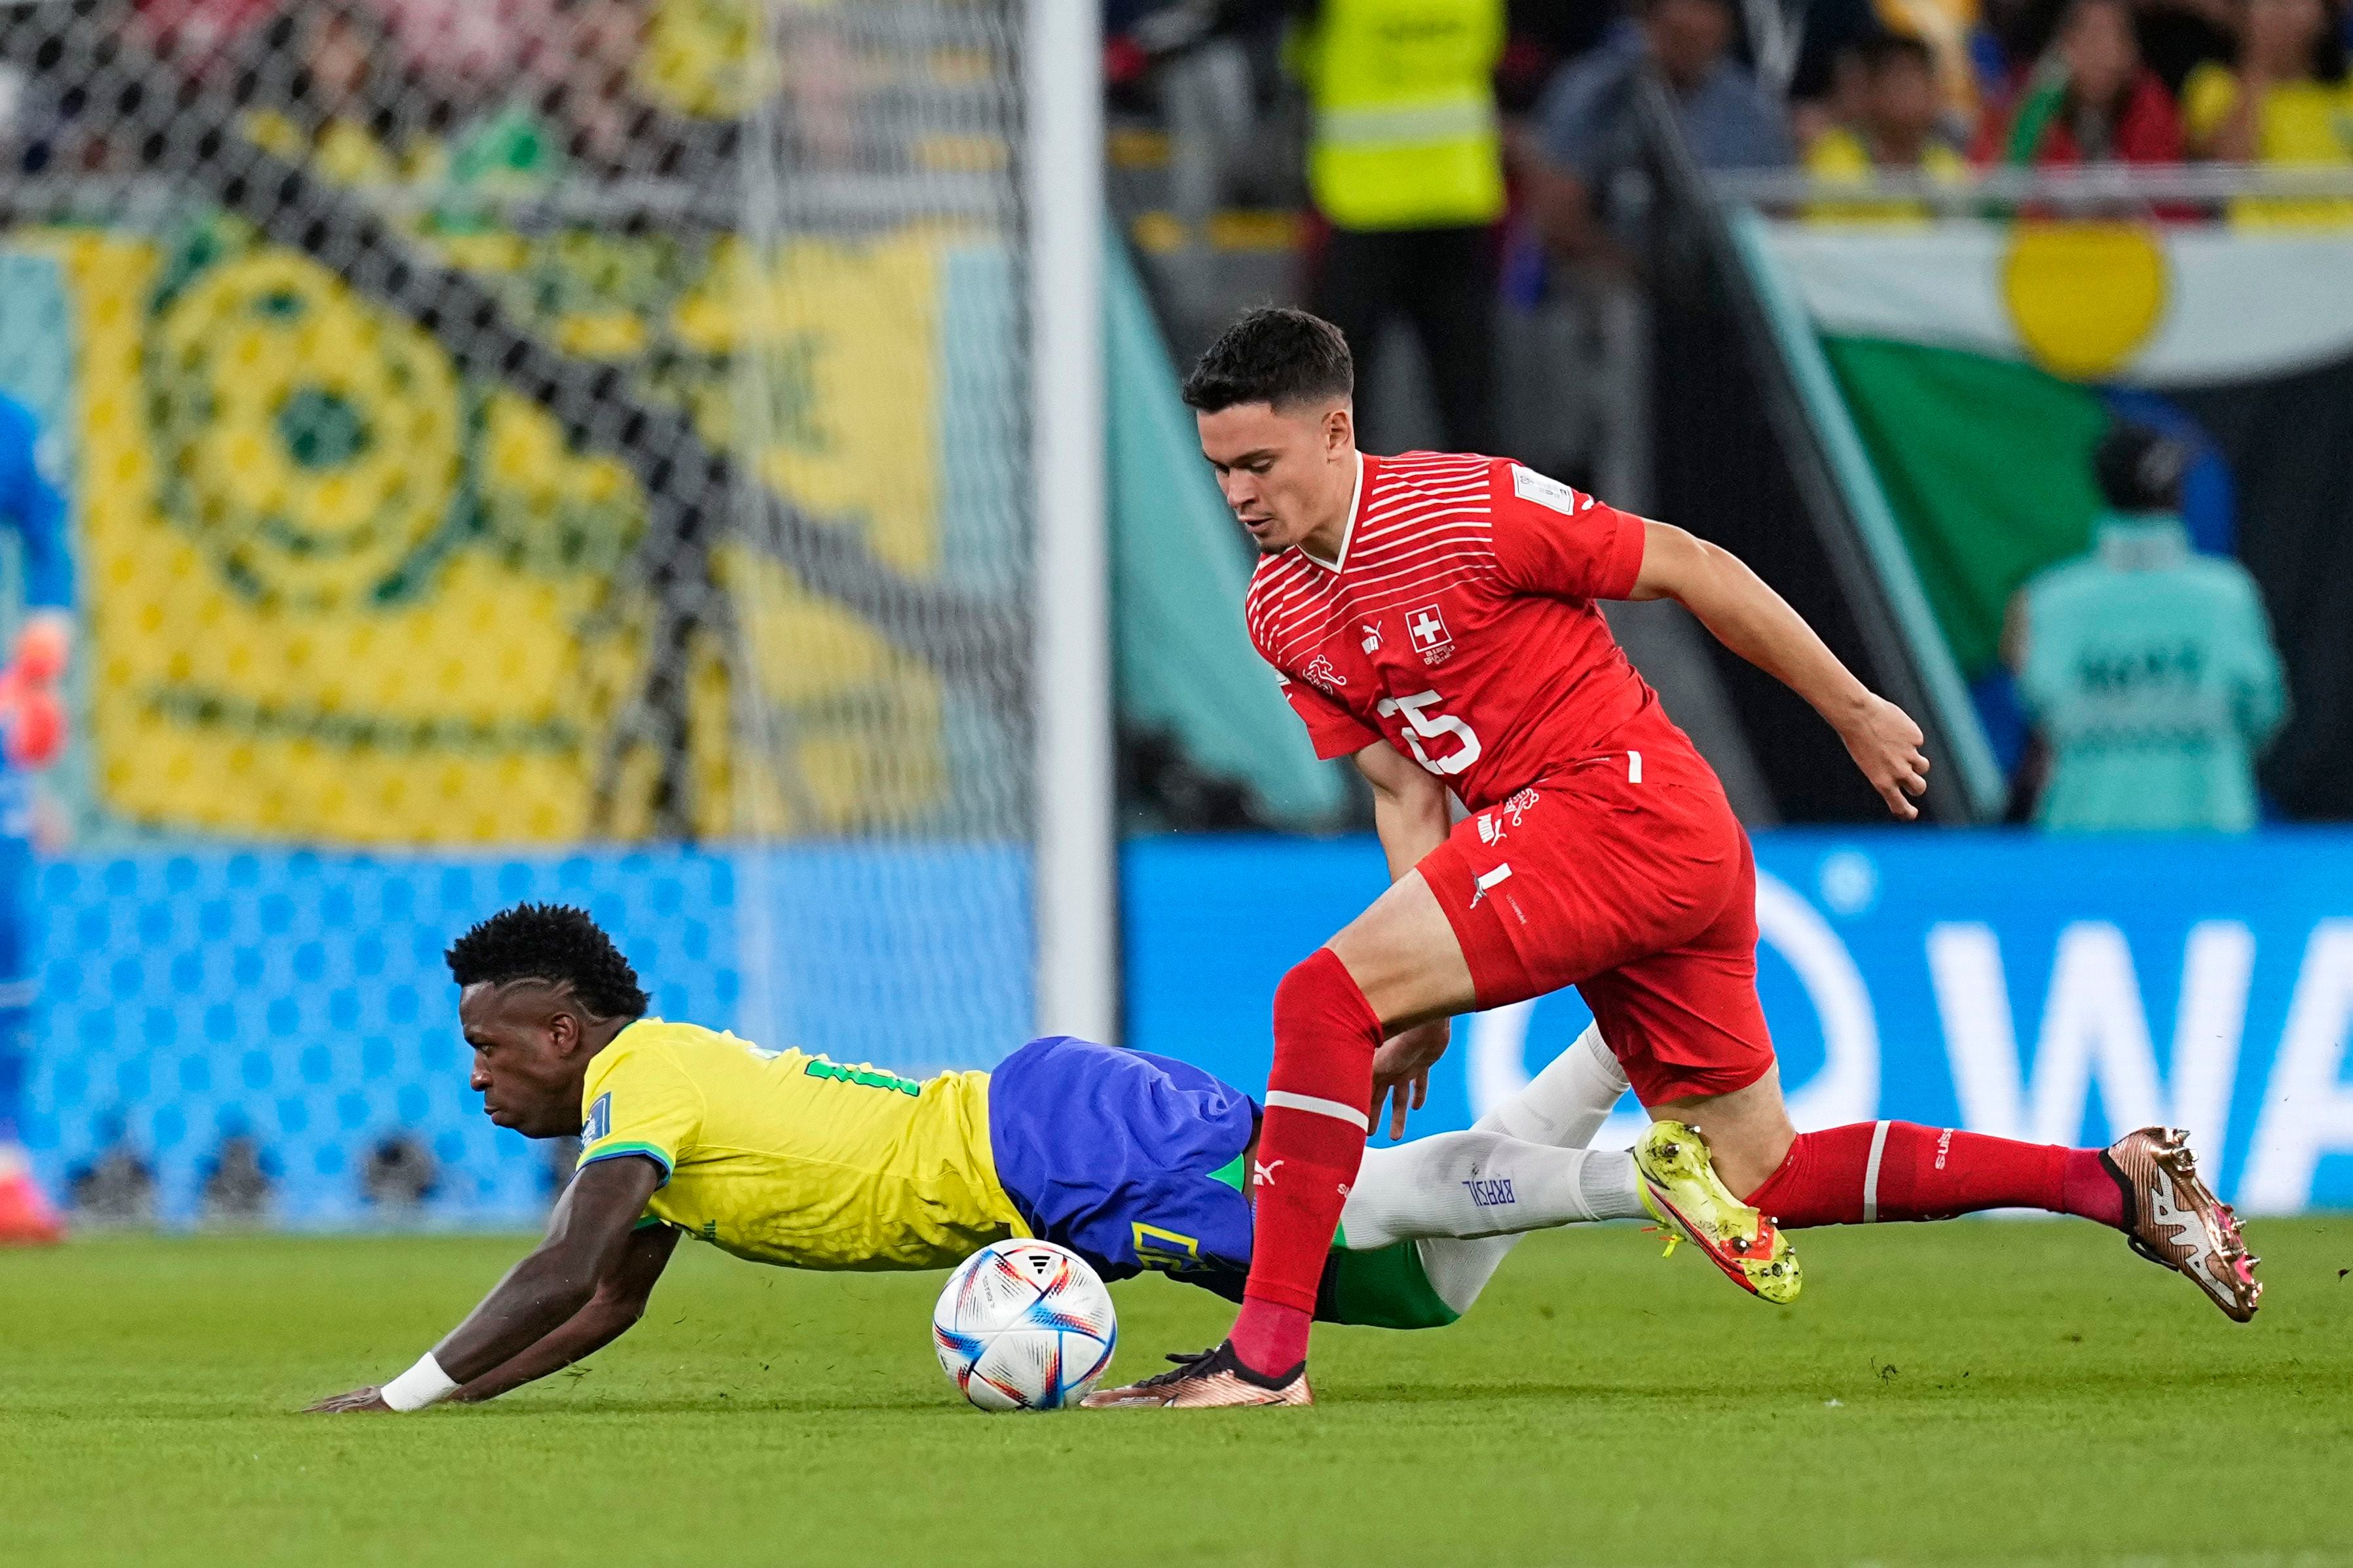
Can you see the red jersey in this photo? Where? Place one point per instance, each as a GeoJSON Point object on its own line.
{"type": "Point", "coordinates": [1458, 623]}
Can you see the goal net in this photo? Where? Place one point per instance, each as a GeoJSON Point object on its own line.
{"type": "Point", "coordinates": [550, 448]}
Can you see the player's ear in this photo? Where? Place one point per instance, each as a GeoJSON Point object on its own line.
{"type": "Point", "coordinates": [1340, 430]}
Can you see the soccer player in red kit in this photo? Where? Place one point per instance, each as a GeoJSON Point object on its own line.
{"type": "Point", "coordinates": [1434, 615]}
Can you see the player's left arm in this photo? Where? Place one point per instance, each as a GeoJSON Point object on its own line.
{"type": "Point", "coordinates": [587, 1237]}
{"type": "Point", "coordinates": [1757, 624]}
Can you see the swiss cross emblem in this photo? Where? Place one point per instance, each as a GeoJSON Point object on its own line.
{"type": "Point", "coordinates": [1430, 638]}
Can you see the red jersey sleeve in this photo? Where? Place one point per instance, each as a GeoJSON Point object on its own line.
{"type": "Point", "coordinates": [1561, 542]}
{"type": "Point", "coordinates": [1336, 731]}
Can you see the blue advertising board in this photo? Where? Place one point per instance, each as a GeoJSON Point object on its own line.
{"type": "Point", "coordinates": [297, 1004]}
{"type": "Point", "coordinates": [2052, 989]}
{"type": "Point", "coordinates": [2057, 989]}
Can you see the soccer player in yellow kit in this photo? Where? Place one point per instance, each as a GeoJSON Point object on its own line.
{"type": "Point", "coordinates": [1132, 1161]}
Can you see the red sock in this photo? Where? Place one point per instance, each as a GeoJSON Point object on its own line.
{"type": "Point", "coordinates": [1899, 1169]}
{"type": "Point", "coordinates": [1318, 1098]}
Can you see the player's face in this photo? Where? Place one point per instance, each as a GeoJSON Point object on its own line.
{"type": "Point", "coordinates": [1286, 472]}
{"type": "Point", "coordinates": [528, 1057]}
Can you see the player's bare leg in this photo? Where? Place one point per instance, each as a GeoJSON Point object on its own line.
{"type": "Point", "coordinates": [1748, 1131]}
{"type": "Point", "coordinates": [2146, 1184]}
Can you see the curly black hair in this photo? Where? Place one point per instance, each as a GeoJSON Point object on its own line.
{"type": "Point", "coordinates": [553, 942]}
{"type": "Point", "coordinates": [1274, 356]}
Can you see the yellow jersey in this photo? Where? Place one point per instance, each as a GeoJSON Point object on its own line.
{"type": "Point", "coordinates": [782, 1157]}
{"type": "Point", "coordinates": [1838, 154]}
{"type": "Point", "coordinates": [2298, 123]}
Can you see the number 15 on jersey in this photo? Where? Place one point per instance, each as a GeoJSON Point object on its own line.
{"type": "Point", "coordinates": [1425, 723]}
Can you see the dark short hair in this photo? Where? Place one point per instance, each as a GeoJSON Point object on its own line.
{"type": "Point", "coordinates": [1883, 49]}
{"type": "Point", "coordinates": [2141, 469]}
{"type": "Point", "coordinates": [553, 942]}
{"type": "Point", "coordinates": [1275, 357]}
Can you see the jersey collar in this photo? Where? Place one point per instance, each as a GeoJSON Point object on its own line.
{"type": "Point", "coordinates": [1355, 498]}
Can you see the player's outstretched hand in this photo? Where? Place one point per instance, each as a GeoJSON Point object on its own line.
{"type": "Point", "coordinates": [1885, 744]}
{"type": "Point", "coordinates": [1401, 1071]}
{"type": "Point", "coordinates": [358, 1399]}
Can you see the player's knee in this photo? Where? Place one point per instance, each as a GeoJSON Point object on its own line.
{"type": "Point", "coordinates": [1318, 991]}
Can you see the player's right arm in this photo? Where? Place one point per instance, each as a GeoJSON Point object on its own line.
{"type": "Point", "coordinates": [619, 1301]}
{"type": "Point", "coordinates": [1409, 810]}
{"type": "Point", "coordinates": [1411, 817]}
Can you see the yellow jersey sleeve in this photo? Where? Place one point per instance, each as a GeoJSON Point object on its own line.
{"type": "Point", "coordinates": [636, 1100]}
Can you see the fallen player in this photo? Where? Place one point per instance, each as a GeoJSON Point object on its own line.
{"type": "Point", "coordinates": [1132, 1161]}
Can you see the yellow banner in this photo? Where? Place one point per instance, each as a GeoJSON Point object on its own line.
{"type": "Point", "coordinates": [338, 591]}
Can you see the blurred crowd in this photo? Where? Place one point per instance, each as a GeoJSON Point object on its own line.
{"type": "Point", "coordinates": [513, 92]}
{"type": "Point", "coordinates": [440, 88]}
{"type": "Point", "coordinates": [1445, 148]}
{"type": "Point", "coordinates": [1842, 86]}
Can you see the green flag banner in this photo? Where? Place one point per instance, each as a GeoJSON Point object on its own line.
{"type": "Point", "coordinates": [1979, 363]}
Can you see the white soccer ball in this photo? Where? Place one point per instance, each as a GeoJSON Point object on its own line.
{"type": "Point", "coordinates": [1024, 1325]}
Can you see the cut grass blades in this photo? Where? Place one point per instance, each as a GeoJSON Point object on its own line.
{"type": "Point", "coordinates": [1983, 1392]}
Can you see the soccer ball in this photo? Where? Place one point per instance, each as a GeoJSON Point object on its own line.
{"type": "Point", "coordinates": [1024, 1325]}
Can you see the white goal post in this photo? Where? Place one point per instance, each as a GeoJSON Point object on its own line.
{"type": "Point", "coordinates": [1076, 864]}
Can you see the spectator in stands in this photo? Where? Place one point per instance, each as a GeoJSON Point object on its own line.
{"type": "Point", "coordinates": [2177, 37]}
{"type": "Point", "coordinates": [1541, 36]}
{"type": "Point", "coordinates": [330, 89]}
{"type": "Point", "coordinates": [584, 69]}
{"type": "Point", "coordinates": [2089, 100]}
{"type": "Point", "coordinates": [2148, 669]}
{"type": "Point", "coordinates": [2289, 104]}
{"type": "Point", "coordinates": [1589, 133]}
{"type": "Point", "coordinates": [1895, 132]}
{"type": "Point", "coordinates": [1406, 162]}
{"type": "Point", "coordinates": [197, 35]}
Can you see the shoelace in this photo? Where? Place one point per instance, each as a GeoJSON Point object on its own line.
{"type": "Point", "coordinates": [1188, 1364]}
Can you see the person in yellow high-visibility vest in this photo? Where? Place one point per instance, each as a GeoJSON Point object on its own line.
{"type": "Point", "coordinates": [1405, 163]}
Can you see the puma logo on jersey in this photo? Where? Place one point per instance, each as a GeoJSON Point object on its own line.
{"type": "Point", "coordinates": [1494, 825]}
{"type": "Point", "coordinates": [1372, 639]}
{"type": "Point", "coordinates": [1263, 1172]}
{"type": "Point", "coordinates": [1320, 675]}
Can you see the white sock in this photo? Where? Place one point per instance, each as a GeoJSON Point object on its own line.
{"type": "Point", "coordinates": [1478, 1185]}
{"type": "Point", "coordinates": [1564, 1105]}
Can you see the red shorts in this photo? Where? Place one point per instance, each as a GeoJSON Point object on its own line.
{"type": "Point", "coordinates": [1633, 882]}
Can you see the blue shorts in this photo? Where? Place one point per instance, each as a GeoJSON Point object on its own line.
{"type": "Point", "coordinates": [1132, 1161]}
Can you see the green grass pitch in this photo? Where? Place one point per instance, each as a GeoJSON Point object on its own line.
{"type": "Point", "coordinates": [1974, 1393]}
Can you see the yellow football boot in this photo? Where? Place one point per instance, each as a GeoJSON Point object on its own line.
{"type": "Point", "coordinates": [1681, 1189]}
